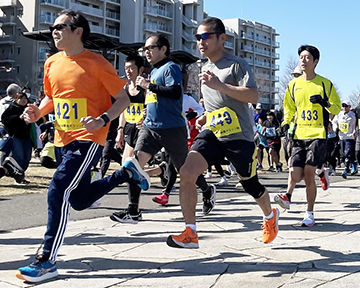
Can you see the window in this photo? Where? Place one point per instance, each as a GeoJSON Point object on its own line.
{"type": "Point", "coordinates": [18, 50]}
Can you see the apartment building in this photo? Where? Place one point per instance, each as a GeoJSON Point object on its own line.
{"type": "Point", "coordinates": [256, 43]}
{"type": "Point", "coordinates": [128, 21]}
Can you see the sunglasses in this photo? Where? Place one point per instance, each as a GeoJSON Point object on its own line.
{"type": "Point", "coordinates": [344, 105]}
{"type": "Point", "coordinates": [61, 27]}
{"type": "Point", "coordinates": [150, 47]}
{"type": "Point", "coordinates": [204, 36]}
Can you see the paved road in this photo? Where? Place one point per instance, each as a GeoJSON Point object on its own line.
{"type": "Point", "coordinates": [23, 211]}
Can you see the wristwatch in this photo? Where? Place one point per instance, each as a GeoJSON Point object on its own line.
{"type": "Point", "coordinates": [105, 118]}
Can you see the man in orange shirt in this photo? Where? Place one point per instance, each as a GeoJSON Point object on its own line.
{"type": "Point", "coordinates": [78, 84]}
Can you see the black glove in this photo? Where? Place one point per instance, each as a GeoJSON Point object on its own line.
{"type": "Point", "coordinates": [317, 99]}
{"type": "Point", "coordinates": [190, 115]}
{"type": "Point", "coordinates": [283, 130]}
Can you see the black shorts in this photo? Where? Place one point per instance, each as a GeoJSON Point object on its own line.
{"type": "Point", "coordinates": [174, 141]}
{"type": "Point", "coordinates": [241, 153]}
{"type": "Point", "coordinates": [308, 152]}
{"type": "Point", "coordinates": [131, 134]}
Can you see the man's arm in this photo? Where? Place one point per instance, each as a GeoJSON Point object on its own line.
{"type": "Point", "coordinates": [243, 94]}
{"type": "Point", "coordinates": [33, 113]}
{"type": "Point", "coordinates": [122, 102]}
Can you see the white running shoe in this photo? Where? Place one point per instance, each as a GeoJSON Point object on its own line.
{"type": "Point", "coordinates": [223, 182]}
{"type": "Point", "coordinates": [308, 220]}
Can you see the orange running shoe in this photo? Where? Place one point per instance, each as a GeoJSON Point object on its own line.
{"type": "Point", "coordinates": [270, 227]}
{"type": "Point", "coordinates": [187, 239]}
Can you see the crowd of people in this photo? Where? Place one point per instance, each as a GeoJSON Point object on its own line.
{"type": "Point", "coordinates": [90, 115]}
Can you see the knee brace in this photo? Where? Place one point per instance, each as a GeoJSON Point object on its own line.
{"type": "Point", "coordinates": [253, 187]}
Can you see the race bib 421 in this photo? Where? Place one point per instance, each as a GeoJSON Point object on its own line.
{"type": "Point", "coordinates": [68, 113]}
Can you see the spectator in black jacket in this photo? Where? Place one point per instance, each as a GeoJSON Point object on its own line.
{"type": "Point", "coordinates": [19, 130]}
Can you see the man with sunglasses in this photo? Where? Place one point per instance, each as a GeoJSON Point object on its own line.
{"type": "Point", "coordinates": [345, 123]}
{"type": "Point", "coordinates": [310, 98]}
{"type": "Point", "coordinates": [228, 85]}
{"type": "Point", "coordinates": [77, 84]}
{"type": "Point", "coordinates": [164, 125]}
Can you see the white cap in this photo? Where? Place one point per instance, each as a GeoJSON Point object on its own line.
{"type": "Point", "coordinates": [258, 106]}
{"type": "Point", "coordinates": [347, 102]}
{"type": "Point", "coordinates": [297, 70]}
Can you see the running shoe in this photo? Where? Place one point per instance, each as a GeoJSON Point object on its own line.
{"type": "Point", "coordinates": [209, 204]}
{"type": "Point", "coordinates": [324, 180]}
{"type": "Point", "coordinates": [164, 176]}
{"type": "Point", "coordinates": [332, 172]}
{"type": "Point", "coordinates": [308, 220]}
{"type": "Point", "coordinates": [238, 185]}
{"type": "Point", "coordinates": [354, 169]}
{"type": "Point", "coordinates": [283, 201]}
{"type": "Point", "coordinates": [223, 182]}
{"type": "Point", "coordinates": [37, 271]}
{"type": "Point", "coordinates": [162, 199]}
{"type": "Point", "coordinates": [187, 239]}
{"type": "Point", "coordinates": [344, 174]}
{"type": "Point", "coordinates": [14, 170]}
{"type": "Point", "coordinates": [259, 167]}
{"type": "Point", "coordinates": [125, 217]}
{"type": "Point", "coordinates": [138, 175]}
{"type": "Point", "coordinates": [208, 175]}
{"type": "Point", "coordinates": [279, 168]}
{"type": "Point", "coordinates": [270, 227]}
{"type": "Point", "coordinates": [23, 182]}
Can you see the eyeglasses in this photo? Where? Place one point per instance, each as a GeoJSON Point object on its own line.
{"type": "Point", "coordinates": [204, 36]}
{"type": "Point", "coordinates": [61, 27]}
{"type": "Point", "coordinates": [150, 47]}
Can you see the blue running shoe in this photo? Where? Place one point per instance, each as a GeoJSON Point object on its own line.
{"type": "Point", "coordinates": [354, 169]}
{"type": "Point", "coordinates": [344, 174]}
{"type": "Point", "coordinates": [138, 175]}
{"type": "Point", "coordinates": [37, 271]}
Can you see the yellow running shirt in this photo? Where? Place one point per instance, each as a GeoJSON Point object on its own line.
{"type": "Point", "coordinates": [310, 118]}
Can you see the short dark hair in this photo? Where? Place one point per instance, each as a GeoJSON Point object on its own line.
{"type": "Point", "coordinates": [215, 23]}
{"type": "Point", "coordinates": [137, 59]}
{"type": "Point", "coordinates": [77, 20]}
{"type": "Point", "coordinates": [311, 49]}
{"type": "Point", "coordinates": [162, 40]}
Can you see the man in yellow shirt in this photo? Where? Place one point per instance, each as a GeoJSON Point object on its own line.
{"type": "Point", "coordinates": [311, 98]}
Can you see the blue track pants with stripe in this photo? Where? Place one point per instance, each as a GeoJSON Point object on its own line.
{"type": "Point", "coordinates": [71, 185]}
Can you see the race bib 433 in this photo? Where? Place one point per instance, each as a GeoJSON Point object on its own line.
{"type": "Point", "coordinates": [68, 113]}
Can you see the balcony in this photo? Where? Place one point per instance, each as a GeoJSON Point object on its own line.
{"type": "Point", "coordinates": [47, 20]}
{"type": "Point", "coordinates": [87, 9]}
{"type": "Point", "coordinates": [263, 40]}
{"type": "Point", "coordinates": [7, 39]}
{"type": "Point", "coordinates": [189, 22]}
{"type": "Point", "coordinates": [249, 61]}
{"type": "Point", "coordinates": [188, 37]}
{"type": "Point", "coordinates": [41, 56]}
{"type": "Point", "coordinates": [113, 15]}
{"type": "Point", "coordinates": [96, 29]}
{"type": "Point", "coordinates": [8, 3]}
{"type": "Point", "coordinates": [248, 48]}
{"type": "Point", "coordinates": [154, 27]}
{"type": "Point", "coordinates": [7, 58]}
{"type": "Point", "coordinates": [58, 3]}
{"type": "Point", "coordinates": [247, 36]}
{"type": "Point", "coordinates": [275, 55]}
{"type": "Point", "coordinates": [275, 44]}
{"type": "Point", "coordinates": [229, 45]}
{"type": "Point", "coordinates": [7, 76]}
{"type": "Point", "coordinates": [115, 1]}
{"type": "Point", "coordinates": [112, 32]}
{"type": "Point", "coordinates": [275, 67]}
{"type": "Point", "coordinates": [8, 20]}
{"type": "Point", "coordinates": [262, 64]}
{"type": "Point", "coordinates": [157, 12]}
{"type": "Point", "coordinates": [262, 52]}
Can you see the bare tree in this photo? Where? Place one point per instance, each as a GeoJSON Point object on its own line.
{"type": "Point", "coordinates": [354, 96]}
{"type": "Point", "coordinates": [292, 62]}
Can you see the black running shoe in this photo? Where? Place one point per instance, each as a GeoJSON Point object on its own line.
{"type": "Point", "coordinates": [13, 169]}
{"type": "Point", "coordinates": [209, 204]}
{"type": "Point", "coordinates": [125, 217]}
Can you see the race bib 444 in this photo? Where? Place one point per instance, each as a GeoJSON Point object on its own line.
{"type": "Point", "coordinates": [68, 113]}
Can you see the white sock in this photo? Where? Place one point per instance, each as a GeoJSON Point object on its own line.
{"type": "Point", "coordinates": [192, 226]}
{"type": "Point", "coordinates": [271, 215]}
